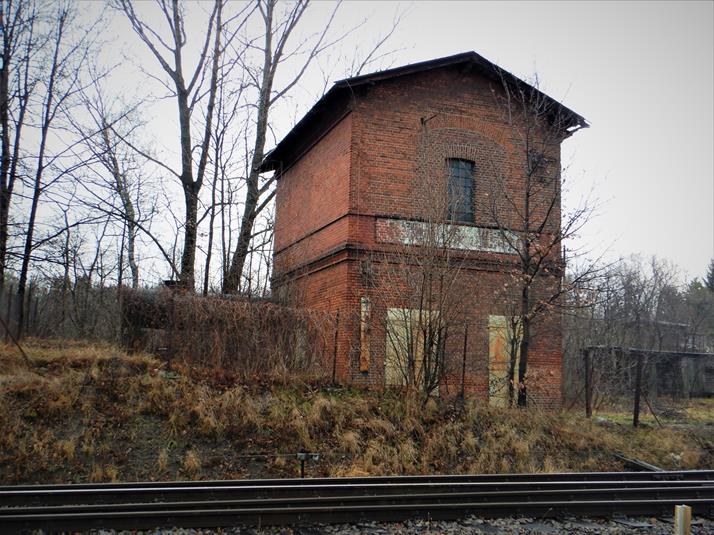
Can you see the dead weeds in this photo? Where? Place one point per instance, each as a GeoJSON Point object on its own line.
{"type": "Point", "coordinates": [89, 412]}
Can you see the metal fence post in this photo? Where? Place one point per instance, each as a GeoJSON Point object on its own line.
{"type": "Point", "coordinates": [334, 349]}
{"type": "Point", "coordinates": [588, 384]}
{"type": "Point", "coordinates": [463, 362]}
{"type": "Point", "coordinates": [638, 391]}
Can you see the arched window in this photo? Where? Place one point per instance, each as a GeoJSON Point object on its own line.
{"type": "Point", "coordinates": [461, 190]}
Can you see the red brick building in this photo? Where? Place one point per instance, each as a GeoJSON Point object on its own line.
{"type": "Point", "coordinates": [352, 176]}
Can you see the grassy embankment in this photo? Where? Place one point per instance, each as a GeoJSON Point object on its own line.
{"type": "Point", "coordinates": [88, 412]}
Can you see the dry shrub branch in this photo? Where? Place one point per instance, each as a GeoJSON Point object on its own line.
{"type": "Point", "coordinates": [245, 339]}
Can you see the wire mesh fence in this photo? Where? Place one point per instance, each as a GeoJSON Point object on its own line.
{"type": "Point", "coordinates": [637, 381]}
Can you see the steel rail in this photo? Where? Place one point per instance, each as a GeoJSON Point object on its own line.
{"type": "Point", "coordinates": [143, 519]}
{"type": "Point", "coordinates": [415, 498]}
{"type": "Point", "coordinates": [101, 494]}
{"type": "Point", "coordinates": [545, 476]}
{"type": "Point", "coordinates": [261, 502]}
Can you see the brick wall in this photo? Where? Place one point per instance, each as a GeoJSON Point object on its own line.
{"type": "Point", "coordinates": [314, 192]}
{"type": "Point", "coordinates": [386, 159]}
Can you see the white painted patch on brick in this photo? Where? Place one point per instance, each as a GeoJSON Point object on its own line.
{"type": "Point", "coordinates": [454, 236]}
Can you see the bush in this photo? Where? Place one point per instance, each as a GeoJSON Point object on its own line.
{"type": "Point", "coordinates": [229, 335]}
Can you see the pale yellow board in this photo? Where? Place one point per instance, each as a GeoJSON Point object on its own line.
{"type": "Point", "coordinates": [395, 347]}
{"type": "Point", "coordinates": [499, 357]}
{"type": "Point", "coordinates": [365, 355]}
{"type": "Point", "coordinates": [403, 337]}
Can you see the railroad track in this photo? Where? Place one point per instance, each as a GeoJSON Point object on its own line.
{"type": "Point", "coordinates": [331, 500]}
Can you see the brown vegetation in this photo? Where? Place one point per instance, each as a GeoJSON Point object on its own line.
{"type": "Point", "coordinates": [85, 412]}
{"type": "Point", "coordinates": [237, 339]}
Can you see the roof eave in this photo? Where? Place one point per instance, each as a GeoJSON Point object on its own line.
{"type": "Point", "coordinates": [271, 162]}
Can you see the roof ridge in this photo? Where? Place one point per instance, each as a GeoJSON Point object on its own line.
{"type": "Point", "coordinates": [273, 159]}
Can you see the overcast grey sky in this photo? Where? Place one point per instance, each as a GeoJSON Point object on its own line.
{"type": "Point", "coordinates": [642, 73]}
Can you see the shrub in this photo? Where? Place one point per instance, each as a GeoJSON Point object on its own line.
{"type": "Point", "coordinates": [226, 336]}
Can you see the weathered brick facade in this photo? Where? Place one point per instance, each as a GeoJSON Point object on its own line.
{"type": "Point", "coordinates": [353, 170]}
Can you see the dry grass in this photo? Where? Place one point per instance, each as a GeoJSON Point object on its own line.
{"type": "Point", "coordinates": [88, 412]}
{"type": "Point", "coordinates": [67, 448]}
{"type": "Point", "coordinates": [350, 443]}
{"type": "Point", "coordinates": [191, 463]}
{"type": "Point", "coordinates": [162, 460]}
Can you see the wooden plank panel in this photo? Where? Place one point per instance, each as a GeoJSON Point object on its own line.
{"type": "Point", "coordinates": [500, 341]}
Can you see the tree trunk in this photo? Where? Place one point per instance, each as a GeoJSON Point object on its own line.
{"type": "Point", "coordinates": [523, 362]}
{"type": "Point", "coordinates": [11, 24]}
{"type": "Point", "coordinates": [122, 188]}
{"type": "Point", "coordinates": [231, 284]}
{"type": "Point", "coordinates": [5, 191]}
{"type": "Point", "coordinates": [131, 254]}
{"type": "Point", "coordinates": [211, 222]}
{"type": "Point", "coordinates": [233, 280]}
{"type": "Point", "coordinates": [37, 186]}
{"type": "Point", "coordinates": [25, 268]}
{"type": "Point", "coordinates": [8, 187]}
{"type": "Point", "coordinates": [188, 258]}
{"type": "Point", "coordinates": [5, 196]}
{"type": "Point", "coordinates": [251, 208]}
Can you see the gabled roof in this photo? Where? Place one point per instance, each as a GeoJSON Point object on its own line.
{"type": "Point", "coordinates": [334, 104]}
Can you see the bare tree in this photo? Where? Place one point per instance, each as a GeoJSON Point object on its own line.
{"type": "Point", "coordinates": [428, 313]}
{"type": "Point", "coordinates": [699, 314]}
{"type": "Point", "coordinates": [189, 89]}
{"type": "Point", "coordinates": [529, 216]}
{"type": "Point", "coordinates": [277, 33]}
{"type": "Point", "coordinates": [122, 188]}
{"type": "Point", "coordinates": [634, 303]}
{"type": "Point", "coordinates": [18, 79]}
{"type": "Point", "coordinates": [228, 135]}
{"type": "Point", "coordinates": [62, 53]}
{"type": "Point", "coordinates": [114, 175]}
{"type": "Point", "coordinates": [420, 285]}
{"type": "Point", "coordinates": [276, 50]}
{"type": "Point", "coordinates": [72, 292]}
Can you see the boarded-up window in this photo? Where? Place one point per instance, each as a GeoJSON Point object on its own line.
{"type": "Point", "coordinates": [364, 334]}
{"type": "Point", "coordinates": [504, 337]}
{"type": "Point", "coordinates": [406, 340]}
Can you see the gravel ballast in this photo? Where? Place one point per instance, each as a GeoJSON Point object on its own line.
{"type": "Point", "coordinates": [524, 526]}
